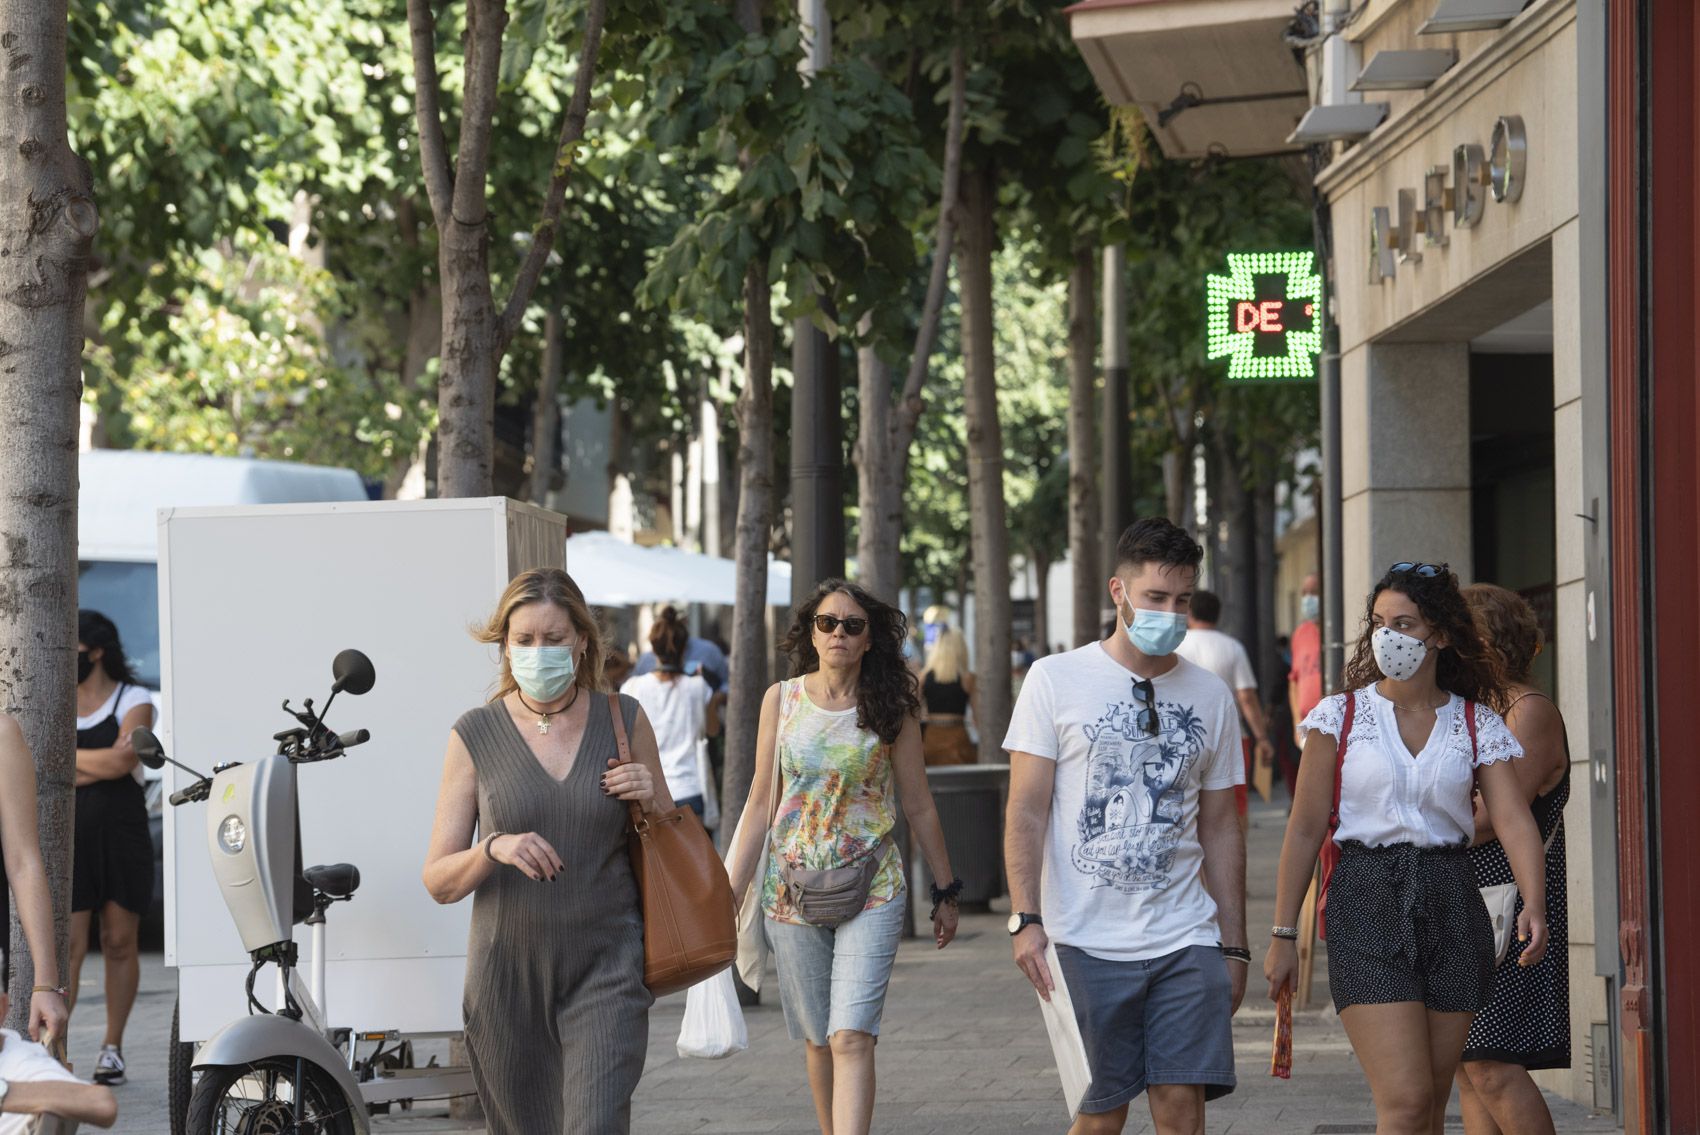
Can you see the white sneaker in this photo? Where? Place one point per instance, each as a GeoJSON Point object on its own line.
{"type": "Point", "coordinates": [109, 1067]}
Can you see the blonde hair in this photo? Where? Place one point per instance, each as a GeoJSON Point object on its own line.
{"type": "Point", "coordinates": [948, 659]}
{"type": "Point", "coordinates": [556, 587]}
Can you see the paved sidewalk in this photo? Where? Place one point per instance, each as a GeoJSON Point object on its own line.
{"type": "Point", "coordinates": [963, 1051]}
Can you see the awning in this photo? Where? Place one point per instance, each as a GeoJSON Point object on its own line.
{"type": "Point", "coordinates": [613, 573]}
{"type": "Point", "coordinates": [1210, 76]}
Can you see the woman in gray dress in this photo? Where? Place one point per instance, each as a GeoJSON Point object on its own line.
{"type": "Point", "coordinates": [557, 1015]}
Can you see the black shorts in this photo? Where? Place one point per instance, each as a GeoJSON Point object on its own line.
{"type": "Point", "coordinates": [1407, 924]}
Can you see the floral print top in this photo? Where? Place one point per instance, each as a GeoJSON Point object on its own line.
{"type": "Point", "coordinates": [837, 800]}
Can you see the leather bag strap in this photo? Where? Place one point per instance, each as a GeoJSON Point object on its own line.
{"type": "Point", "coordinates": [624, 745]}
{"type": "Point", "coordinates": [1340, 758]}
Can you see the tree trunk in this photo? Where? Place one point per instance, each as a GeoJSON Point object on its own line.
{"type": "Point", "coordinates": [1270, 677]}
{"type": "Point", "coordinates": [47, 226]}
{"type": "Point", "coordinates": [1086, 558]}
{"type": "Point", "coordinates": [476, 333]}
{"type": "Point", "coordinates": [988, 526]}
{"type": "Point", "coordinates": [887, 430]}
{"type": "Point", "coordinates": [1042, 603]}
{"type": "Point", "coordinates": [546, 417]}
{"type": "Point", "coordinates": [466, 380]}
{"type": "Point", "coordinates": [749, 677]}
{"type": "Point", "coordinates": [408, 478]}
{"type": "Point", "coordinates": [1178, 484]}
{"type": "Point", "coordinates": [1238, 567]}
{"type": "Point", "coordinates": [880, 477]}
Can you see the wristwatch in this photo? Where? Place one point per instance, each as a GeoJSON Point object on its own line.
{"type": "Point", "coordinates": [1020, 922]}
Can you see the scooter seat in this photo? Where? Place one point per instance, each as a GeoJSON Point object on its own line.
{"type": "Point", "coordinates": [338, 880]}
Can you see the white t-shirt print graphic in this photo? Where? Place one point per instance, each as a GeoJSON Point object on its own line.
{"type": "Point", "coordinates": [1123, 874]}
{"type": "Point", "coordinates": [1133, 816]}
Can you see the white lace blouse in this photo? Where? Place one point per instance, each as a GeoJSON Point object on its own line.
{"type": "Point", "coordinates": [1388, 796]}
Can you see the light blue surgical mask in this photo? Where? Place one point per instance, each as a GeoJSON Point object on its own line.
{"type": "Point", "coordinates": [542, 673]}
{"type": "Point", "coordinates": [1156, 634]}
{"type": "Point", "coordinates": [1310, 606]}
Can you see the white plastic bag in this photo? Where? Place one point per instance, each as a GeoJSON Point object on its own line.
{"type": "Point", "coordinates": [714, 1024]}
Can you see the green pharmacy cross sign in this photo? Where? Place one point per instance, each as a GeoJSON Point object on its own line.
{"type": "Point", "coordinates": [1264, 316]}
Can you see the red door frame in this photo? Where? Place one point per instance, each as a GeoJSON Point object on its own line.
{"type": "Point", "coordinates": [1674, 370]}
{"type": "Point", "coordinates": [1654, 266]}
{"type": "Point", "coordinates": [1624, 249]}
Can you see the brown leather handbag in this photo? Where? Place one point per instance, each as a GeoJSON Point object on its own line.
{"type": "Point", "coordinates": [689, 933]}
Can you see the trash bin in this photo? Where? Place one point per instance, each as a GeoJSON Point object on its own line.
{"type": "Point", "coordinates": [970, 801]}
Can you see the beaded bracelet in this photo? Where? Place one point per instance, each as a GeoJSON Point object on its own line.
{"type": "Point", "coordinates": [947, 894]}
{"type": "Point", "coordinates": [1291, 933]}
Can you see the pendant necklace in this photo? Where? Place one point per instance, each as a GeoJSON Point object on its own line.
{"type": "Point", "coordinates": [542, 716]}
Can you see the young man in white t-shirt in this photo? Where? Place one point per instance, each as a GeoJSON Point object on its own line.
{"type": "Point", "coordinates": [1225, 656]}
{"type": "Point", "coordinates": [33, 1084]}
{"type": "Point", "coordinates": [1123, 845]}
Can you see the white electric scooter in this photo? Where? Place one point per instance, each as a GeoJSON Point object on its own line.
{"type": "Point", "coordinates": [281, 1071]}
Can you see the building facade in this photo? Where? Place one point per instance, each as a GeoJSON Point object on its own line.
{"type": "Point", "coordinates": [1506, 201]}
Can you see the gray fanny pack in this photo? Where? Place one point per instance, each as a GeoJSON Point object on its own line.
{"type": "Point", "coordinates": [836, 895]}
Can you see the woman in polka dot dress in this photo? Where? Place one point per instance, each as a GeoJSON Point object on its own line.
{"type": "Point", "coordinates": [1527, 1024]}
{"type": "Point", "coordinates": [1410, 947]}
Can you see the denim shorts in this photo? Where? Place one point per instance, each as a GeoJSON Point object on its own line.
{"type": "Point", "coordinates": [832, 979]}
{"type": "Point", "coordinates": [1166, 1020]}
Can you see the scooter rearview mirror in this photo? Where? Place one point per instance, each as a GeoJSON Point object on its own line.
{"type": "Point", "coordinates": [354, 673]}
{"type": "Point", "coordinates": [148, 749]}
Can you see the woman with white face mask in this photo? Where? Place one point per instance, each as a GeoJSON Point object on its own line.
{"type": "Point", "coordinates": [1388, 773]}
{"type": "Point", "coordinates": [557, 1015]}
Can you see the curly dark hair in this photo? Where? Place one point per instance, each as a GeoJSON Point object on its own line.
{"type": "Point", "coordinates": [887, 694]}
{"type": "Point", "coordinates": [1466, 667]}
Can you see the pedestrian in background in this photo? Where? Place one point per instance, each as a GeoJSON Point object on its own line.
{"type": "Point", "coordinates": [702, 656]}
{"type": "Point", "coordinates": [22, 872]}
{"type": "Point", "coordinates": [1225, 656]}
{"type": "Point", "coordinates": [1526, 1025]}
{"type": "Point", "coordinates": [112, 864]}
{"type": "Point", "coordinates": [684, 711]}
{"type": "Point", "coordinates": [947, 693]}
{"type": "Point", "coordinates": [1410, 946]}
{"type": "Point", "coordinates": [844, 737]}
{"type": "Point", "coordinates": [1122, 846]}
{"type": "Point", "coordinates": [1304, 679]}
{"type": "Point", "coordinates": [557, 1014]}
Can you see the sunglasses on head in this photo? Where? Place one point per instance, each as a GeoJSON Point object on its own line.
{"type": "Point", "coordinates": [1426, 571]}
{"type": "Point", "coordinates": [853, 626]}
{"type": "Point", "coordinates": [1147, 717]}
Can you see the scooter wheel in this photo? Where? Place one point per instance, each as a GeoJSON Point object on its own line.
{"type": "Point", "coordinates": [259, 1099]}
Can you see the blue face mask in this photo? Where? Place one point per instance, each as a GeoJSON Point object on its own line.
{"type": "Point", "coordinates": [1156, 634]}
{"type": "Point", "coordinates": [1310, 606]}
{"type": "Point", "coordinates": [542, 673]}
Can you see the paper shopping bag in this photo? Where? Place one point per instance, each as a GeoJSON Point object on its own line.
{"type": "Point", "coordinates": [1064, 1030]}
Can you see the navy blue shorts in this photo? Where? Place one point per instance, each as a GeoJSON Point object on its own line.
{"type": "Point", "coordinates": [1166, 1020]}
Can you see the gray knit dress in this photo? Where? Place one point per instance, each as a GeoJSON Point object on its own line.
{"type": "Point", "coordinates": [557, 1015]}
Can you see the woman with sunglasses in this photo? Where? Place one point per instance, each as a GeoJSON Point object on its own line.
{"type": "Point", "coordinates": [1410, 946]}
{"type": "Point", "coordinates": [844, 737]}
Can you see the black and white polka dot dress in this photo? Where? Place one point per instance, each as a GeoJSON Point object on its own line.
{"type": "Point", "coordinates": [1527, 1021]}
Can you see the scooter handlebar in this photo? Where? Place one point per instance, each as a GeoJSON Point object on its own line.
{"type": "Point", "coordinates": [196, 791]}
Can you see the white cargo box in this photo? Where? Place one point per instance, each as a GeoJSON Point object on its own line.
{"type": "Point", "coordinates": [255, 601]}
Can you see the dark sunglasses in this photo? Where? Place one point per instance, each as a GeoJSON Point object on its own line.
{"type": "Point", "coordinates": [1147, 718]}
{"type": "Point", "coordinates": [853, 626]}
{"type": "Point", "coordinates": [1426, 571]}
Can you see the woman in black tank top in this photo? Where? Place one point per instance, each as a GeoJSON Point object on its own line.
{"type": "Point", "coordinates": [947, 692]}
{"type": "Point", "coordinates": [112, 872]}
{"type": "Point", "coordinates": [21, 870]}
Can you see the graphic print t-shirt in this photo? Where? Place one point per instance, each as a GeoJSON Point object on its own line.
{"type": "Point", "coordinates": [1124, 873]}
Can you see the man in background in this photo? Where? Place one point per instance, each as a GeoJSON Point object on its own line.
{"type": "Point", "coordinates": [1223, 655]}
